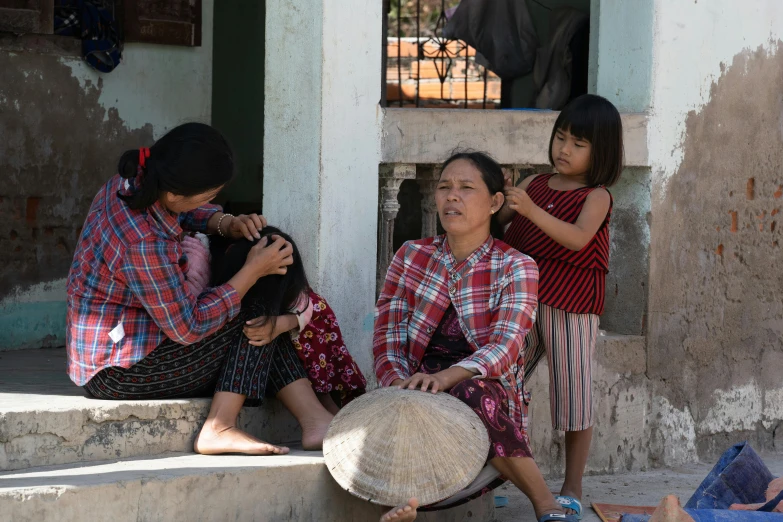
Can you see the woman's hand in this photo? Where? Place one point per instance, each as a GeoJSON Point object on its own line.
{"type": "Point", "coordinates": [518, 200]}
{"type": "Point", "coordinates": [261, 330]}
{"type": "Point", "coordinates": [424, 382]}
{"type": "Point", "coordinates": [441, 381]}
{"type": "Point", "coordinates": [243, 226]}
{"type": "Point", "coordinates": [260, 333]}
{"type": "Point", "coordinates": [270, 259]}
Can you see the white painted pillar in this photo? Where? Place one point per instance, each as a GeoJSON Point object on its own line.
{"type": "Point", "coordinates": [322, 149]}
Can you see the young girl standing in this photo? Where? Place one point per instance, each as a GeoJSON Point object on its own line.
{"type": "Point", "coordinates": [561, 220]}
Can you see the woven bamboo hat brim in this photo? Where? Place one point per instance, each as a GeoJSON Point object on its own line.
{"type": "Point", "coordinates": [390, 445]}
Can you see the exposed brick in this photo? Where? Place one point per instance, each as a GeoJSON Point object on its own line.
{"type": "Point", "coordinates": [31, 210]}
{"type": "Point", "coordinates": [427, 90]}
{"type": "Point", "coordinates": [406, 49]}
{"type": "Point", "coordinates": [779, 192]}
{"type": "Point", "coordinates": [425, 70]}
{"type": "Point", "coordinates": [750, 189]}
{"type": "Point", "coordinates": [734, 226]}
{"type": "Point", "coordinates": [719, 250]}
{"type": "Point", "coordinates": [393, 75]}
{"type": "Point", "coordinates": [461, 90]}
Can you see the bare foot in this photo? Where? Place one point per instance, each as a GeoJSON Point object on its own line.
{"type": "Point", "coordinates": [669, 510]}
{"type": "Point", "coordinates": [314, 430]}
{"type": "Point", "coordinates": [215, 441]}
{"type": "Point", "coordinates": [328, 403]}
{"type": "Point", "coordinates": [405, 513]}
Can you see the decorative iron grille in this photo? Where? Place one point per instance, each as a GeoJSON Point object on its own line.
{"type": "Point", "coordinates": [423, 68]}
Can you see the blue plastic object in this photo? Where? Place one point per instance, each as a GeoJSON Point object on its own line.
{"type": "Point", "coordinates": [739, 477]}
{"type": "Point", "coordinates": [718, 515]}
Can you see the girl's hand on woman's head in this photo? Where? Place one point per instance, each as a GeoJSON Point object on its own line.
{"type": "Point", "coordinates": [424, 382]}
{"type": "Point", "coordinates": [519, 201]}
{"type": "Point", "coordinates": [270, 259]}
{"type": "Point", "coordinates": [246, 226]}
{"type": "Point", "coordinates": [260, 330]}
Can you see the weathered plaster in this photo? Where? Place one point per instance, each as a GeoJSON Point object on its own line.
{"type": "Point", "coordinates": [627, 282]}
{"type": "Point", "coordinates": [622, 407]}
{"type": "Point", "coordinates": [692, 43]}
{"type": "Point", "coordinates": [716, 316]}
{"type": "Point", "coordinates": [63, 126]}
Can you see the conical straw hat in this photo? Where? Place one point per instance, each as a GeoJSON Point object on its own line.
{"type": "Point", "coordinates": [390, 445]}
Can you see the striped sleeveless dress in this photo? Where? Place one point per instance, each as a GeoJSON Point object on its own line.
{"type": "Point", "coordinates": [568, 280]}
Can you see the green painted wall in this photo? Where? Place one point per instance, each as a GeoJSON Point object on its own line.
{"type": "Point", "coordinates": [238, 95]}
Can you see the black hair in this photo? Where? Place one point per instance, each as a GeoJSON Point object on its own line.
{"type": "Point", "coordinates": [491, 174]}
{"type": "Point", "coordinates": [272, 295]}
{"type": "Point", "coordinates": [594, 119]}
{"type": "Point", "coordinates": [190, 159]}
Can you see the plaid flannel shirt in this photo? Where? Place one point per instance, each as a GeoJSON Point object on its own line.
{"type": "Point", "coordinates": [128, 278]}
{"type": "Point", "coordinates": [494, 292]}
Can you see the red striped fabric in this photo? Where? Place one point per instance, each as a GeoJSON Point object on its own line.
{"type": "Point", "coordinates": [568, 280]}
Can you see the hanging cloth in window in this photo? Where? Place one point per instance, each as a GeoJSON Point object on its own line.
{"type": "Point", "coordinates": [500, 30]}
{"type": "Point", "coordinates": [562, 60]}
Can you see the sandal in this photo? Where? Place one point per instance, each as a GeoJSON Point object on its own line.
{"type": "Point", "coordinates": [558, 517]}
{"type": "Point", "coordinates": [571, 503]}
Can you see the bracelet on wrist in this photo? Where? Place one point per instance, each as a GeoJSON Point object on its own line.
{"type": "Point", "coordinates": [221, 221]}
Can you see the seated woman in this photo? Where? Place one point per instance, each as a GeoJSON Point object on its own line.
{"type": "Point", "coordinates": [453, 315]}
{"type": "Point", "coordinates": [135, 330]}
{"type": "Point", "coordinates": [286, 303]}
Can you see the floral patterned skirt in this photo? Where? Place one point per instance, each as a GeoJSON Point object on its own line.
{"type": "Point", "coordinates": [321, 348]}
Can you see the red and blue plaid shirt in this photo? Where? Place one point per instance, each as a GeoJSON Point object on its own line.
{"type": "Point", "coordinates": [128, 275]}
{"type": "Point", "coordinates": [494, 292]}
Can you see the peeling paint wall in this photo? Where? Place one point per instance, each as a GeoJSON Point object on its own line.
{"type": "Point", "coordinates": [62, 129]}
{"type": "Point", "coordinates": [715, 355]}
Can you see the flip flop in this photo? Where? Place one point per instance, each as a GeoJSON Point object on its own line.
{"type": "Point", "coordinates": [558, 517]}
{"type": "Point", "coordinates": [571, 503]}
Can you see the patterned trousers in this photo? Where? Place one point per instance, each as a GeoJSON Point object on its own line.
{"type": "Point", "coordinates": [224, 361]}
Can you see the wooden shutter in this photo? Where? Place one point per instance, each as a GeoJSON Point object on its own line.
{"type": "Point", "coordinates": [27, 16]}
{"type": "Point", "coordinates": [170, 22]}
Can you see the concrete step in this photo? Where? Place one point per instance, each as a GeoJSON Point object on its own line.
{"type": "Point", "coordinates": [193, 487]}
{"type": "Point", "coordinates": [46, 420]}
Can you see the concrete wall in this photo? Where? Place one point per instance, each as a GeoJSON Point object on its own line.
{"type": "Point", "coordinates": [62, 129]}
{"type": "Point", "coordinates": [716, 144]}
{"type": "Point", "coordinates": [322, 148]}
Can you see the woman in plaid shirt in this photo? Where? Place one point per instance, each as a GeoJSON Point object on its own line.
{"type": "Point", "coordinates": [136, 329]}
{"type": "Point", "coordinates": [453, 315]}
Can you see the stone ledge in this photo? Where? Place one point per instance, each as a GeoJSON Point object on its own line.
{"type": "Point", "coordinates": [513, 137]}
{"type": "Point", "coordinates": [196, 487]}
{"type": "Point", "coordinates": [46, 420]}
